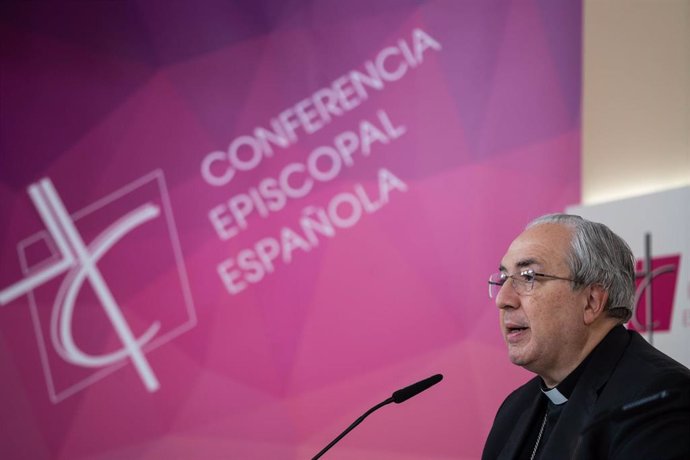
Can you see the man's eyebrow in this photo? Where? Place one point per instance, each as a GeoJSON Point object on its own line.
{"type": "Point", "coordinates": [521, 264]}
{"type": "Point", "coordinates": [526, 263]}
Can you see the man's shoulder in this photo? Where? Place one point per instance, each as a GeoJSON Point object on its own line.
{"type": "Point", "coordinates": [642, 371]}
{"type": "Point", "coordinates": [523, 395]}
{"type": "Point", "coordinates": [643, 410]}
{"type": "Point", "coordinates": [646, 362]}
{"type": "Point", "coordinates": [515, 406]}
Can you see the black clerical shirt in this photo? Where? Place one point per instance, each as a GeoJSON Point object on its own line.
{"type": "Point", "coordinates": [552, 403]}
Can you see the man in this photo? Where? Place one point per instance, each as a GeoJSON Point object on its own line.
{"type": "Point", "coordinates": [564, 290]}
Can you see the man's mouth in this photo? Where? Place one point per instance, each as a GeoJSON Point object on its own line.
{"type": "Point", "coordinates": [515, 332]}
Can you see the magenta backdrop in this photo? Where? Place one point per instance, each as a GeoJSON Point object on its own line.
{"type": "Point", "coordinates": [229, 228]}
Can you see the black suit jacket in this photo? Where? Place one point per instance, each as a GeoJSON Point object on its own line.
{"type": "Point", "coordinates": [598, 421]}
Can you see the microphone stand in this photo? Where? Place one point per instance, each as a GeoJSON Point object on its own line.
{"type": "Point", "coordinates": [354, 424]}
{"type": "Point", "coordinates": [398, 396]}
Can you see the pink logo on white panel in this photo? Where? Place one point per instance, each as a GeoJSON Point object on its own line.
{"type": "Point", "coordinates": [662, 283]}
{"type": "Point", "coordinates": [106, 285]}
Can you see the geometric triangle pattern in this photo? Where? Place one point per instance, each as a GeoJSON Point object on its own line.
{"type": "Point", "coordinates": [229, 228]}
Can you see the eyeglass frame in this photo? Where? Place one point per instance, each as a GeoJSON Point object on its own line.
{"type": "Point", "coordinates": [515, 282]}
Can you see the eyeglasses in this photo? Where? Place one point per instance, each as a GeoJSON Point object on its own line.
{"type": "Point", "coordinates": [522, 282]}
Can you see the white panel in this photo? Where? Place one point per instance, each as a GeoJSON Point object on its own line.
{"type": "Point", "coordinates": [666, 215]}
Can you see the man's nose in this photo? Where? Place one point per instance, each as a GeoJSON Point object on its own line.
{"type": "Point", "coordinates": [507, 296]}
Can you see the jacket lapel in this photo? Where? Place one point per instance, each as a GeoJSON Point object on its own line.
{"type": "Point", "coordinates": [579, 409]}
{"type": "Point", "coordinates": [522, 426]}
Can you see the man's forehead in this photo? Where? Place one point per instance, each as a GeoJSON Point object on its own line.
{"type": "Point", "coordinates": [541, 245]}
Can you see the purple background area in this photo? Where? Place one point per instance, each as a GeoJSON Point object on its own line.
{"type": "Point", "coordinates": [96, 95]}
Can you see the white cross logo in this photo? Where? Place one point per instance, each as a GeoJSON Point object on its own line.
{"type": "Point", "coordinates": [79, 261]}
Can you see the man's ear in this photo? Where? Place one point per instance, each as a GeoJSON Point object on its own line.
{"type": "Point", "coordinates": [596, 301]}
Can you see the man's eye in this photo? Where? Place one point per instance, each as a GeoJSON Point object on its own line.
{"type": "Point", "coordinates": [527, 276]}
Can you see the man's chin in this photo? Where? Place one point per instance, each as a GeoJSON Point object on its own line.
{"type": "Point", "coordinates": [517, 361]}
{"type": "Point", "coordinates": [518, 357]}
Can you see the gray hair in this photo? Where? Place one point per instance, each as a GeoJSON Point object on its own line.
{"type": "Point", "coordinates": [599, 256]}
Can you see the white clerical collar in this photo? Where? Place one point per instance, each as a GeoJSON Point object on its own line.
{"type": "Point", "coordinates": [555, 396]}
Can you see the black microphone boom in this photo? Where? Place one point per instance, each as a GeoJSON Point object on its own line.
{"type": "Point", "coordinates": [416, 388]}
{"type": "Point", "coordinates": [399, 396]}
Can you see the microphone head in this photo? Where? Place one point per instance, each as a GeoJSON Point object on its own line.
{"type": "Point", "coordinates": [406, 393]}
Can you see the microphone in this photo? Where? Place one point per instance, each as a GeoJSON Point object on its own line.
{"type": "Point", "coordinates": [413, 390]}
{"type": "Point", "coordinates": [636, 412]}
{"type": "Point", "coordinates": [631, 408]}
{"type": "Point", "coordinates": [398, 396]}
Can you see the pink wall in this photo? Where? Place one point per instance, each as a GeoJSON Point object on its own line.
{"type": "Point", "coordinates": [229, 228]}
